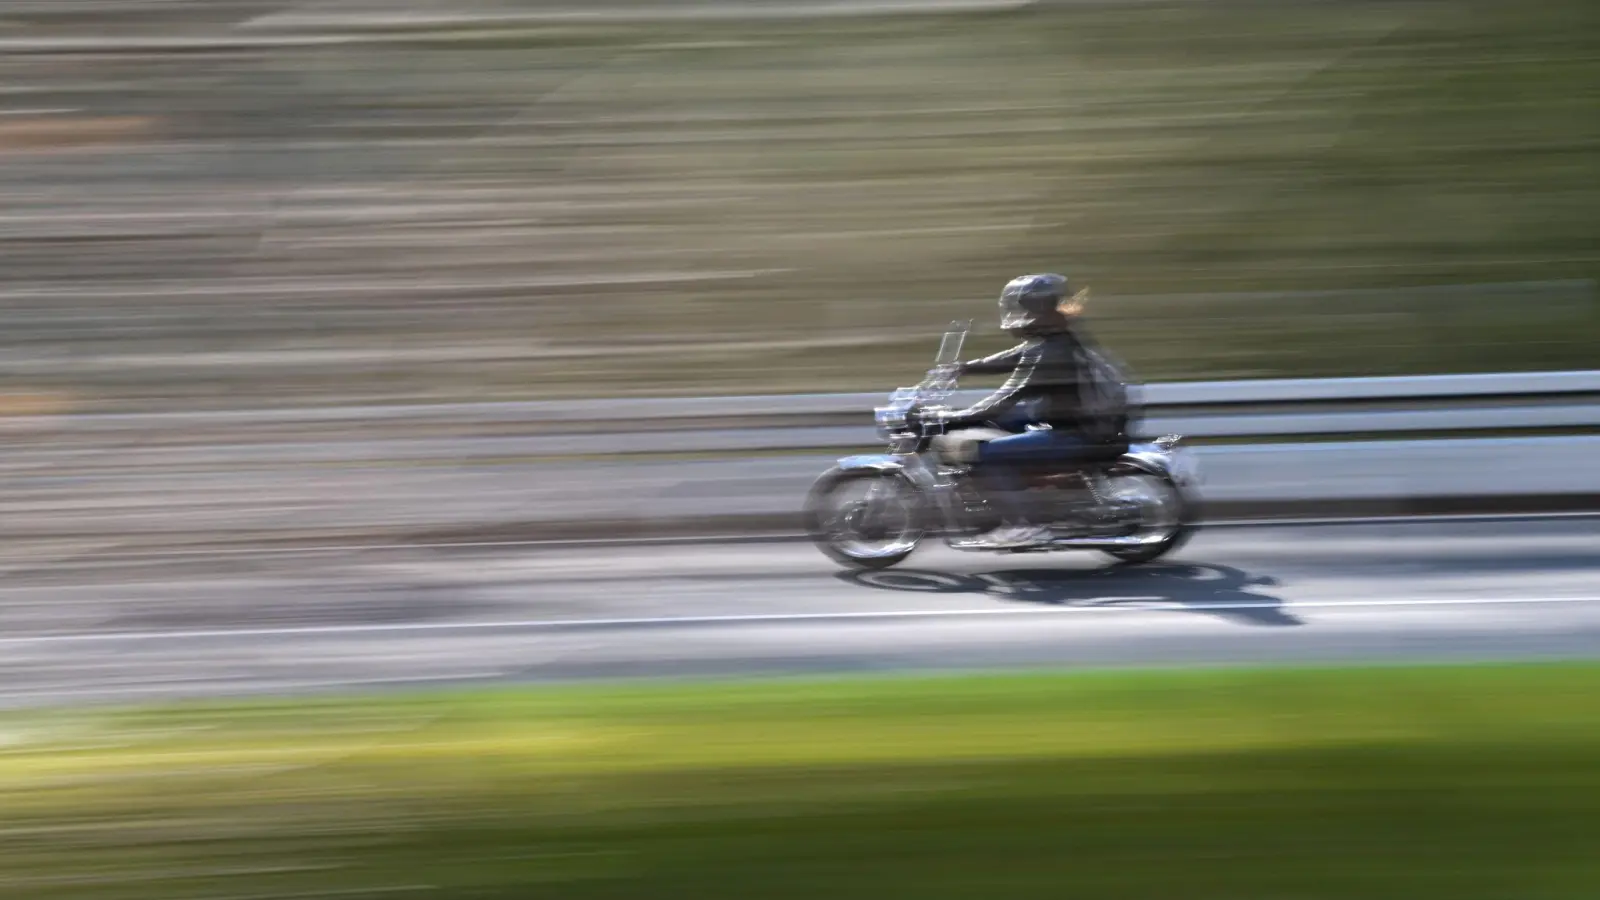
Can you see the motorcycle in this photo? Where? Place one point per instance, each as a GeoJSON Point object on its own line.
{"type": "Point", "coordinates": [1135, 503]}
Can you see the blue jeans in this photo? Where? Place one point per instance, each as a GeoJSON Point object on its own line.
{"type": "Point", "coordinates": [1000, 461]}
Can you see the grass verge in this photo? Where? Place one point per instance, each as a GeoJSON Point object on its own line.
{"type": "Point", "coordinates": [1371, 783]}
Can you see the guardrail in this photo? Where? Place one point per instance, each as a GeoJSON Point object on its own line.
{"type": "Point", "coordinates": [1241, 409]}
{"type": "Point", "coordinates": [490, 470]}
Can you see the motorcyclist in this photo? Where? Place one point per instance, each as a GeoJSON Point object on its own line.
{"type": "Point", "coordinates": [1064, 395]}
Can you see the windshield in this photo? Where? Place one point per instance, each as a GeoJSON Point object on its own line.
{"type": "Point", "coordinates": [950, 346]}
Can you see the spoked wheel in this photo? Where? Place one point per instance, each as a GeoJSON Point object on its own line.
{"type": "Point", "coordinates": [866, 520]}
{"type": "Point", "coordinates": [1164, 517]}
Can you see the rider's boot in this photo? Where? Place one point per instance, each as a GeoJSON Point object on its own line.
{"type": "Point", "coordinates": [1013, 501]}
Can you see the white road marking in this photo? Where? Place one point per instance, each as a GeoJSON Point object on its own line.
{"type": "Point", "coordinates": [1087, 605]}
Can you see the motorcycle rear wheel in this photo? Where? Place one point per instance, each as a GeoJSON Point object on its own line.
{"type": "Point", "coordinates": [1168, 516]}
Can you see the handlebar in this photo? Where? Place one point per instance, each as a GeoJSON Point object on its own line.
{"type": "Point", "coordinates": [905, 404]}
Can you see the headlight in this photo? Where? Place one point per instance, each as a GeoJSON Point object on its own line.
{"type": "Point", "coordinates": [890, 419]}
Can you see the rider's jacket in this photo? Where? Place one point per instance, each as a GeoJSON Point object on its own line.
{"type": "Point", "coordinates": [1062, 379]}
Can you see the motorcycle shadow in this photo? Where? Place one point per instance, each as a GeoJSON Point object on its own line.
{"type": "Point", "coordinates": [1222, 591]}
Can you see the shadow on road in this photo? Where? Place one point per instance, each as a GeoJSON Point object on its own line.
{"type": "Point", "coordinates": [1221, 591]}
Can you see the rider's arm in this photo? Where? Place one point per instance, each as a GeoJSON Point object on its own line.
{"type": "Point", "coordinates": [1010, 394]}
{"type": "Point", "coordinates": [998, 364]}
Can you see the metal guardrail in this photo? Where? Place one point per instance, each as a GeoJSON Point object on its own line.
{"type": "Point", "coordinates": [551, 467]}
{"type": "Point", "coordinates": [1240, 409]}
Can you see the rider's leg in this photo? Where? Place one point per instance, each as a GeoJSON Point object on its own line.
{"type": "Point", "coordinates": [1017, 419]}
{"type": "Point", "coordinates": [999, 468]}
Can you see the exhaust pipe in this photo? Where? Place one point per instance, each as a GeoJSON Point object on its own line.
{"type": "Point", "coordinates": [1103, 543]}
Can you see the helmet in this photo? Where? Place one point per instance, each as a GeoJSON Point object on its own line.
{"type": "Point", "coordinates": [1031, 304]}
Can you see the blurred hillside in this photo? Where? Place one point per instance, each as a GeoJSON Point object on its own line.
{"type": "Point", "coordinates": [247, 203]}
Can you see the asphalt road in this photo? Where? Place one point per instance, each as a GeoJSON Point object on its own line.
{"type": "Point", "coordinates": [89, 627]}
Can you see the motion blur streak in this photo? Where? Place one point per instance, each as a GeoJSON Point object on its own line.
{"type": "Point", "coordinates": [472, 211]}
{"type": "Point", "coordinates": [258, 656]}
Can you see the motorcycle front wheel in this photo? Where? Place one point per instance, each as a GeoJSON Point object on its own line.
{"type": "Point", "coordinates": [865, 519]}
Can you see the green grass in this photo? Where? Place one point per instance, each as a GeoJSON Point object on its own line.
{"type": "Point", "coordinates": [1460, 783]}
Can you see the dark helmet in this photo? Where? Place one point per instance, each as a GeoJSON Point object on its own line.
{"type": "Point", "coordinates": [1031, 304]}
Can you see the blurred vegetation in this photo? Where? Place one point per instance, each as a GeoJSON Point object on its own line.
{"type": "Point", "coordinates": [801, 204]}
{"type": "Point", "coordinates": [1434, 782]}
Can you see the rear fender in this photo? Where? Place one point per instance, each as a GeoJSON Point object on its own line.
{"type": "Point", "coordinates": [1154, 460]}
{"type": "Point", "coordinates": [1142, 462]}
{"type": "Point", "coordinates": [1150, 462]}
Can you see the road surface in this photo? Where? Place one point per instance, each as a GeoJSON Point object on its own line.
{"type": "Point", "coordinates": [93, 627]}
